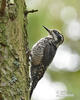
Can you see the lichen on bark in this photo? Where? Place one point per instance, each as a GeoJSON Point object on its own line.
{"type": "Point", "coordinates": [14, 70]}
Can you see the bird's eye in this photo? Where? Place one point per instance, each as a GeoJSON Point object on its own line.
{"type": "Point", "coordinates": [58, 35]}
{"type": "Point", "coordinates": [55, 31]}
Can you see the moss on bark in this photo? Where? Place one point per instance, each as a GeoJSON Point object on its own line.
{"type": "Point", "coordinates": [14, 70]}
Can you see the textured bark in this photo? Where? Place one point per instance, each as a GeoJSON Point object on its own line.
{"type": "Point", "coordinates": [14, 70]}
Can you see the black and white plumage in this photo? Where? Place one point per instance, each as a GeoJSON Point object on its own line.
{"type": "Point", "coordinates": [42, 54]}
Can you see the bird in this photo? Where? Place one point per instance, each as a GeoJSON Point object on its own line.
{"type": "Point", "coordinates": [42, 54]}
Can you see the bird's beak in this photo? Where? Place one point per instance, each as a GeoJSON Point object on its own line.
{"type": "Point", "coordinates": [47, 30]}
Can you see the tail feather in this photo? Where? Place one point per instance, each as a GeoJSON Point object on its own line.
{"type": "Point", "coordinates": [37, 73]}
{"type": "Point", "coordinates": [33, 87]}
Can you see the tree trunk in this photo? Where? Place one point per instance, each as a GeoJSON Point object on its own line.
{"type": "Point", "coordinates": [14, 70]}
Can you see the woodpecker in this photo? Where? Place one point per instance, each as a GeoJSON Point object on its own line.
{"type": "Point", "coordinates": [42, 54]}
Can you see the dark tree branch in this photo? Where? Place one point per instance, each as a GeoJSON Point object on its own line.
{"type": "Point", "coordinates": [2, 9]}
{"type": "Point", "coordinates": [31, 11]}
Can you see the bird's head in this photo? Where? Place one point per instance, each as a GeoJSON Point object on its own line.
{"type": "Point", "coordinates": [57, 37]}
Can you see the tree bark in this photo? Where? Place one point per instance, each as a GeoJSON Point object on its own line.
{"type": "Point", "coordinates": [14, 70]}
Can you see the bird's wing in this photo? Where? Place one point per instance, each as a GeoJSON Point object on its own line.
{"type": "Point", "coordinates": [37, 52]}
{"type": "Point", "coordinates": [49, 53]}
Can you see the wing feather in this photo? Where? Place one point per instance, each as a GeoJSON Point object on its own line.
{"type": "Point", "coordinates": [37, 52]}
{"type": "Point", "coordinates": [49, 53]}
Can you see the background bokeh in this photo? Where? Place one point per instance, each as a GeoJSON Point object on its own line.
{"type": "Point", "coordinates": [62, 79]}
